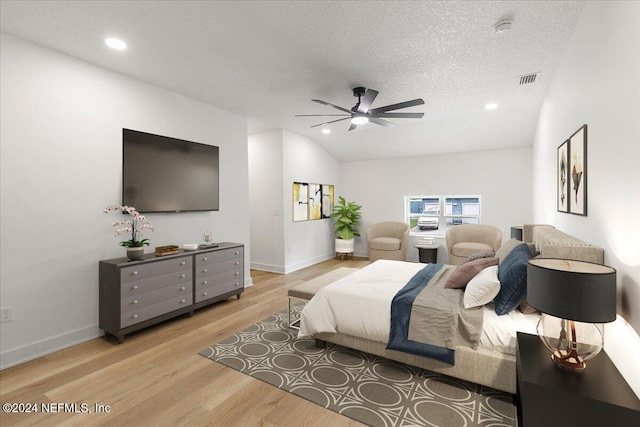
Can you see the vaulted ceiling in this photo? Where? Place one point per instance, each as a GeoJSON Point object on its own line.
{"type": "Point", "coordinates": [266, 60]}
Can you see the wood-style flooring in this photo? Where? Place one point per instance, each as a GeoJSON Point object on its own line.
{"type": "Point", "coordinates": [157, 378]}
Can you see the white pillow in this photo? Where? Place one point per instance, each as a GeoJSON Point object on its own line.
{"type": "Point", "coordinates": [483, 288]}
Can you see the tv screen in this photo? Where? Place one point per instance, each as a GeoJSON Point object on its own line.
{"type": "Point", "coordinates": [162, 174]}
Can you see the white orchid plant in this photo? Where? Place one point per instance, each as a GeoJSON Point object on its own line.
{"type": "Point", "coordinates": [135, 226]}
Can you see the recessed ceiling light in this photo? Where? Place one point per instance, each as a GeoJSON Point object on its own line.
{"type": "Point", "coordinates": [115, 44]}
{"type": "Point", "coordinates": [359, 120]}
{"type": "Point", "coordinates": [491, 106]}
{"type": "Point", "coordinates": [326, 130]}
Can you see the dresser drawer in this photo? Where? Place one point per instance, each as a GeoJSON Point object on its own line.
{"type": "Point", "coordinates": [153, 297]}
{"type": "Point", "coordinates": [225, 276]}
{"type": "Point", "coordinates": [145, 313]}
{"type": "Point", "coordinates": [219, 289]}
{"type": "Point", "coordinates": [156, 268]}
{"type": "Point", "coordinates": [218, 256]}
{"type": "Point", "coordinates": [153, 283]}
{"type": "Point", "coordinates": [218, 267]}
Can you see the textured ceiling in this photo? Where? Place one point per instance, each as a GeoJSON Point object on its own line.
{"type": "Point", "coordinates": [266, 60]}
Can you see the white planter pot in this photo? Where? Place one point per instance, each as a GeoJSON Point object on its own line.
{"type": "Point", "coordinates": [345, 246]}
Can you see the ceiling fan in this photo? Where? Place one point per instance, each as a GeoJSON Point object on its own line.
{"type": "Point", "coordinates": [362, 112]}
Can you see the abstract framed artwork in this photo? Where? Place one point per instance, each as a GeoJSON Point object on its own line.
{"type": "Point", "coordinates": [315, 201]}
{"type": "Point", "coordinates": [578, 172]}
{"type": "Point", "coordinates": [561, 176]}
{"type": "Point", "coordinates": [300, 201]}
{"type": "Point", "coordinates": [327, 200]}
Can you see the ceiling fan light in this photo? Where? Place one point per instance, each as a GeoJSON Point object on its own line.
{"type": "Point", "coordinates": [359, 120]}
{"type": "Point", "coordinates": [116, 44]}
{"type": "Point", "coordinates": [325, 130]}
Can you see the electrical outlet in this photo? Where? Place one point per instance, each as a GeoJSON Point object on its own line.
{"type": "Point", "coordinates": [6, 314]}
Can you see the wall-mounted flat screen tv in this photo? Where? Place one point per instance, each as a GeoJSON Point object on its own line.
{"type": "Point", "coordinates": [162, 174]}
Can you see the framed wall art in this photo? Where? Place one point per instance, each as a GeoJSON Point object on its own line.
{"type": "Point", "coordinates": [300, 201]}
{"type": "Point", "coordinates": [315, 201]}
{"type": "Point", "coordinates": [578, 172]}
{"type": "Point", "coordinates": [561, 177]}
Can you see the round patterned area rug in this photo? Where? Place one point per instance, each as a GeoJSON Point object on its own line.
{"type": "Point", "coordinates": [370, 389]}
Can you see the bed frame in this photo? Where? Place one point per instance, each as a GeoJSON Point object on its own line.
{"type": "Point", "coordinates": [488, 368]}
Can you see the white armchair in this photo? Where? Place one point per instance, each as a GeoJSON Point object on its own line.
{"type": "Point", "coordinates": [388, 240]}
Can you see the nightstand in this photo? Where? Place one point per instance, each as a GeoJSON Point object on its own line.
{"type": "Point", "coordinates": [549, 396]}
{"type": "Point", "coordinates": [428, 253]}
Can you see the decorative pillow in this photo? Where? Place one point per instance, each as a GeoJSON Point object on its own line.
{"type": "Point", "coordinates": [512, 272]}
{"type": "Point", "coordinates": [465, 272]}
{"type": "Point", "coordinates": [506, 249]}
{"type": "Point", "coordinates": [482, 288]}
{"type": "Point", "coordinates": [478, 255]}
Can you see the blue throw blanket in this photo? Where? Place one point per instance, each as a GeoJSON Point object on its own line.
{"type": "Point", "coordinates": [401, 317]}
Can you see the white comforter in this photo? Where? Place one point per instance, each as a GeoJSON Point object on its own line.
{"type": "Point", "coordinates": [359, 304]}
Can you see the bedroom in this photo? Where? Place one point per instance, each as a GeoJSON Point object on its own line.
{"type": "Point", "coordinates": [70, 182]}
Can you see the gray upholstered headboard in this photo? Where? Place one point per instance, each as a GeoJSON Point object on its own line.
{"type": "Point", "coordinates": [553, 243]}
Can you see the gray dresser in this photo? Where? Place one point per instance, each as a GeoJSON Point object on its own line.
{"type": "Point", "coordinates": [138, 294]}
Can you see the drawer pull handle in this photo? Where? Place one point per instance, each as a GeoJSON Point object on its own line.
{"type": "Point", "coordinates": [205, 294]}
{"type": "Point", "coordinates": [182, 288]}
{"type": "Point", "coordinates": [183, 301]}
{"type": "Point", "coordinates": [237, 283]}
{"type": "Point", "coordinates": [182, 263]}
{"type": "Point", "coordinates": [135, 316]}
{"type": "Point", "coordinates": [237, 273]}
{"type": "Point", "coordinates": [204, 282]}
{"type": "Point", "coordinates": [135, 301]}
{"type": "Point", "coordinates": [135, 287]}
{"type": "Point", "coordinates": [135, 273]}
{"type": "Point", "coordinates": [204, 258]}
{"type": "Point", "coordinates": [182, 276]}
{"type": "Point", "coordinates": [204, 270]}
{"type": "Point", "coordinates": [237, 253]}
{"type": "Point", "coordinates": [237, 262]}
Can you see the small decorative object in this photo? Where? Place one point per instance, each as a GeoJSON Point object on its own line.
{"type": "Point", "coordinates": [208, 241]}
{"type": "Point", "coordinates": [574, 297]}
{"type": "Point", "coordinates": [135, 226]}
{"type": "Point", "coordinates": [563, 182]}
{"type": "Point", "coordinates": [190, 246]}
{"type": "Point", "coordinates": [166, 250]}
{"type": "Point", "coordinates": [347, 216]}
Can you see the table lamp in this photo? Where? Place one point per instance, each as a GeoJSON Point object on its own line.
{"type": "Point", "coordinates": [576, 298]}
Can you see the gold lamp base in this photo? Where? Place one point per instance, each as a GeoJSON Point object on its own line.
{"type": "Point", "coordinates": [569, 360]}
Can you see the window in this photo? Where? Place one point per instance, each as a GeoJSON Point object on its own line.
{"type": "Point", "coordinates": [432, 215]}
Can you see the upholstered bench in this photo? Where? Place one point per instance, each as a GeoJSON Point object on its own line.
{"type": "Point", "coordinates": [307, 290]}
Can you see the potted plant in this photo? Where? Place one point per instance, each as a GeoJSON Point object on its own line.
{"type": "Point", "coordinates": [347, 216]}
{"type": "Point", "coordinates": [135, 245]}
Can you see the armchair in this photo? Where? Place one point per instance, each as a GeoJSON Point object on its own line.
{"type": "Point", "coordinates": [388, 240]}
{"type": "Point", "coordinates": [467, 239]}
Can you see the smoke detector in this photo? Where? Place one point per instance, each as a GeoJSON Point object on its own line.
{"type": "Point", "coordinates": [503, 26]}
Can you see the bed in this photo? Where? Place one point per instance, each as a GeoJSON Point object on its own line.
{"type": "Point", "coordinates": [355, 312]}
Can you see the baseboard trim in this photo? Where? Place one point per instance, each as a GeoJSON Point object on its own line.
{"type": "Point", "coordinates": [32, 351]}
{"type": "Point", "coordinates": [267, 267]}
{"type": "Point", "coordinates": [307, 263]}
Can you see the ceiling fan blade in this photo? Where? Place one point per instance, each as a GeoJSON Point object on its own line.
{"type": "Point", "coordinates": [367, 100]}
{"type": "Point", "coordinates": [398, 106]}
{"type": "Point", "coordinates": [321, 115]}
{"type": "Point", "coordinates": [353, 126]}
{"type": "Point", "coordinates": [332, 121]}
{"type": "Point", "coordinates": [381, 122]}
{"type": "Point", "coordinates": [331, 105]}
{"type": "Point", "coordinates": [399, 115]}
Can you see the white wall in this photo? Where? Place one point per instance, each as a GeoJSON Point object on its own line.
{"type": "Point", "coordinates": [598, 83]}
{"type": "Point", "coordinates": [61, 160]}
{"type": "Point", "coordinates": [277, 158]}
{"type": "Point", "coordinates": [266, 200]}
{"type": "Point", "coordinates": [501, 177]}
{"type": "Point", "coordinates": [306, 242]}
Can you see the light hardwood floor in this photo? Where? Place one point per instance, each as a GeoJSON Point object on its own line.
{"type": "Point", "coordinates": [157, 378]}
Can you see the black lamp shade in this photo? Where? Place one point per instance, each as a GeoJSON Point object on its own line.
{"type": "Point", "coordinates": [572, 290]}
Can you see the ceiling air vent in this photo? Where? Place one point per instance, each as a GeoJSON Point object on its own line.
{"type": "Point", "coordinates": [528, 78]}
